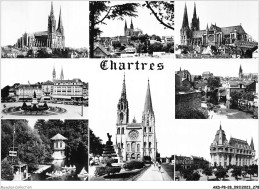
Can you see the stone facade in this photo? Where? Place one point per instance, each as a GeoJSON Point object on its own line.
{"type": "Point", "coordinates": [233, 152]}
{"type": "Point", "coordinates": [135, 140]}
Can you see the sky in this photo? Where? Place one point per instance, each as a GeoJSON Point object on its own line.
{"type": "Point", "coordinates": [144, 21]}
{"type": "Point", "coordinates": [219, 67]}
{"type": "Point", "coordinates": [223, 13]}
{"type": "Point", "coordinates": [24, 70]}
{"type": "Point", "coordinates": [18, 17]}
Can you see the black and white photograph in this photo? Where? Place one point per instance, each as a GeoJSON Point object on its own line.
{"type": "Point", "coordinates": [44, 150]}
{"type": "Point", "coordinates": [215, 150]}
{"type": "Point", "coordinates": [121, 29]}
{"type": "Point", "coordinates": [46, 29]}
{"type": "Point", "coordinates": [56, 89]}
{"type": "Point", "coordinates": [216, 29]}
{"type": "Point", "coordinates": [216, 90]}
{"type": "Point", "coordinates": [126, 141]}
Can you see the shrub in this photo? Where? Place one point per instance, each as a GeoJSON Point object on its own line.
{"type": "Point", "coordinates": [134, 164]}
{"type": "Point", "coordinates": [102, 170]}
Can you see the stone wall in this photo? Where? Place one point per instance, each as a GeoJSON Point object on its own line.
{"type": "Point", "coordinates": [187, 100]}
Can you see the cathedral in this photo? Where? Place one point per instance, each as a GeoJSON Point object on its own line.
{"type": "Point", "coordinates": [132, 31]}
{"type": "Point", "coordinates": [52, 38]}
{"type": "Point", "coordinates": [135, 140]}
{"type": "Point", "coordinates": [233, 152]}
{"type": "Point", "coordinates": [213, 34]}
{"type": "Point", "coordinates": [54, 75]}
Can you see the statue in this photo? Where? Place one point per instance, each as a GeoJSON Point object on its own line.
{"type": "Point", "coordinates": [109, 137]}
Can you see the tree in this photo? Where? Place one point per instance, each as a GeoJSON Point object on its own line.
{"type": "Point", "coordinates": [237, 171]}
{"type": "Point", "coordinates": [5, 92]}
{"type": "Point", "coordinates": [96, 146]}
{"type": "Point", "coordinates": [162, 11]}
{"type": "Point", "coordinates": [220, 173]}
{"type": "Point", "coordinates": [100, 11]}
{"type": "Point", "coordinates": [6, 170]}
{"type": "Point", "coordinates": [207, 171]}
{"type": "Point", "coordinates": [214, 82]}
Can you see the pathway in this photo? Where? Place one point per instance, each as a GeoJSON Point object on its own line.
{"type": "Point", "coordinates": [153, 174]}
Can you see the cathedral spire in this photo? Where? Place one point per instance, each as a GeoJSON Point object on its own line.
{"type": "Point", "coordinates": [53, 73]}
{"type": "Point", "coordinates": [125, 25]}
{"type": "Point", "coordinates": [220, 128]}
{"type": "Point", "coordinates": [61, 74]}
{"type": "Point", "coordinates": [148, 107]}
{"type": "Point", "coordinates": [194, 12]}
{"type": "Point", "coordinates": [123, 93]}
{"type": "Point", "coordinates": [252, 144]}
{"type": "Point", "coordinates": [60, 25]}
{"type": "Point", "coordinates": [131, 26]}
{"type": "Point", "coordinates": [240, 72]}
{"type": "Point", "coordinates": [185, 22]}
{"type": "Point", "coordinates": [52, 12]}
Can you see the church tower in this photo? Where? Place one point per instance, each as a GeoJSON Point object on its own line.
{"type": "Point", "coordinates": [195, 24]}
{"type": "Point", "coordinates": [148, 123]}
{"type": "Point", "coordinates": [125, 29]}
{"type": "Point", "coordinates": [122, 118]}
{"type": "Point", "coordinates": [61, 74]}
{"type": "Point", "coordinates": [185, 29]}
{"type": "Point", "coordinates": [53, 74]}
{"type": "Point", "coordinates": [60, 31]}
{"type": "Point", "coordinates": [131, 26]}
{"type": "Point", "coordinates": [240, 74]}
{"type": "Point", "coordinates": [51, 29]}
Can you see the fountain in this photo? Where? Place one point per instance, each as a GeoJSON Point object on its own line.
{"type": "Point", "coordinates": [34, 106]}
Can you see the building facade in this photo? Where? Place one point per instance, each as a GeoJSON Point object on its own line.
{"type": "Point", "coordinates": [233, 152]}
{"type": "Point", "coordinates": [213, 34]}
{"type": "Point", "coordinates": [135, 140]}
{"type": "Point", "coordinates": [52, 38]}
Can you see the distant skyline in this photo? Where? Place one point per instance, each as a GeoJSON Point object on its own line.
{"type": "Point", "coordinates": [18, 17]}
{"type": "Point", "coordinates": [24, 70]}
{"type": "Point", "coordinates": [223, 13]}
{"type": "Point", "coordinates": [144, 21]}
{"type": "Point", "coordinates": [218, 67]}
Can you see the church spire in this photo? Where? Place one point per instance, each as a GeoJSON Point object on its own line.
{"type": "Point", "coordinates": [123, 93]}
{"type": "Point", "coordinates": [252, 144]}
{"type": "Point", "coordinates": [60, 25]}
{"type": "Point", "coordinates": [131, 26]}
{"type": "Point", "coordinates": [185, 22]}
{"type": "Point", "coordinates": [61, 74]}
{"type": "Point", "coordinates": [194, 11]}
{"type": "Point", "coordinates": [53, 73]}
{"type": "Point", "coordinates": [125, 25]}
{"type": "Point", "coordinates": [240, 72]}
{"type": "Point", "coordinates": [52, 12]}
{"type": "Point", "coordinates": [148, 107]}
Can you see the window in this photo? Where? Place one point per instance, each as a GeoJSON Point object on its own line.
{"type": "Point", "coordinates": [145, 129]}
{"type": "Point", "coordinates": [133, 147]}
{"type": "Point", "coordinates": [122, 131]}
{"type": "Point", "coordinates": [128, 147]}
{"type": "Point", "coordinates": [144, 144]}
{"type": "Point", "coordinates": [150, 129]}
{"type": "Point", "coordinates": [150, 144]}
{"type": "Point", "coordinates": [57, 145]}
{"type": "Point", "coordinates": [138, 147]}
{"type": "Point", "coordinates": [118, 131]}
{"type": "Point", "coordinates": [60, 144]}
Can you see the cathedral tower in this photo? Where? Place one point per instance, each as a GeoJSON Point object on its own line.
{"type": "Point", "coordinates": [53, 74]}
{"type": "Point", "coordinates": [240, 73]}
{"type": "Point", "coordinates": [195, 24]}
{"type": "Point", "coordinates": [51, 28]}
{"type": "Point", "coordinates": [125, 29]}
{"type": "Point", "coordinates": [131, 26]}
{"type": "Point", "coordinates": [61, 74]}
{"type": "Point", "coordinates": [185, 29]}
{"type": "Point", "coordinates": [148, 123]}
{"type": "Point", "coordinates": [60, 33]}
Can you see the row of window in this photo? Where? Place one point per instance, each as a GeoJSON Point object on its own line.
{"type": "Point", "coordinates": [123, 130]}
{"type": "Point", "coordinates": [133, 147]}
